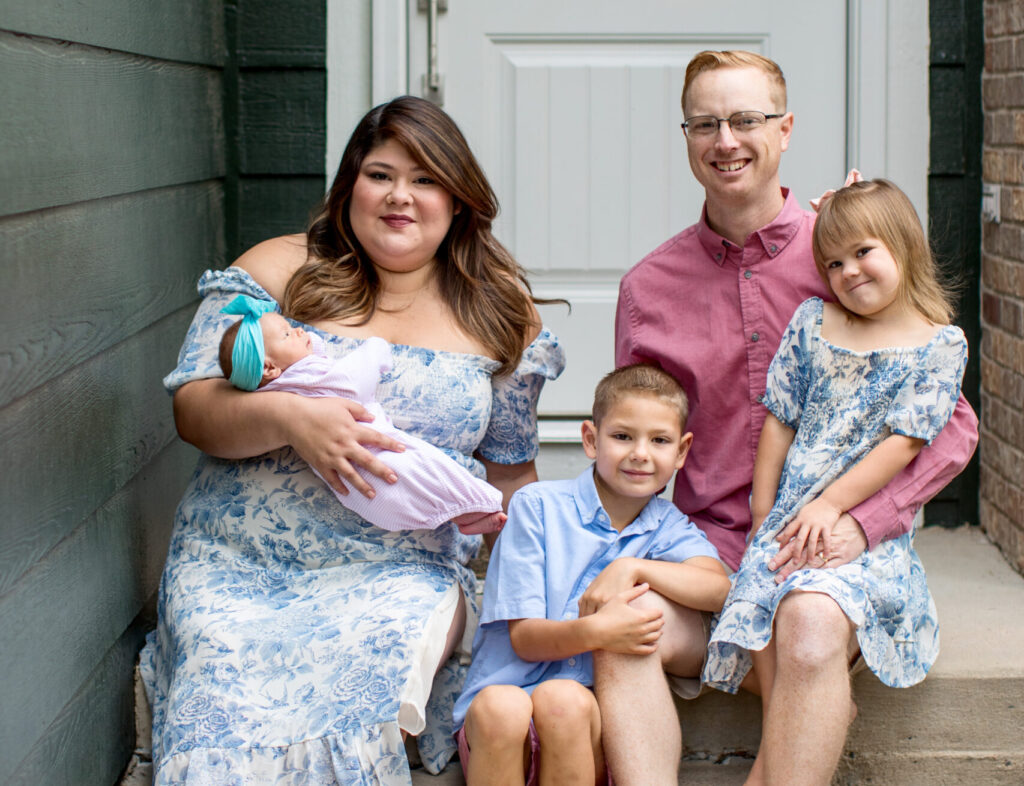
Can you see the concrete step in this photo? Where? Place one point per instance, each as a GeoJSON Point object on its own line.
{"type": "Point", "coordinates": [963, 725]}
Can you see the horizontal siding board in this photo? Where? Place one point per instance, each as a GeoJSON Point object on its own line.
{"type": "Point", "coordinates": [276, 206]}
{"type": "Point", "coordinates": [71, 444]}
{"type": "Point", "coordinates": [91, 123]}
{"type": "Point", "coordinates": [284, 117]}
{"type": "Point", "coordinates": [186, 30]}
{"type": "Point", "coordinates": [91, 739]}
{"type": "Point", "coordinates": [80, 279]}
{"type": "Point", "coordinates": [280, 33]}
{"type": "Point", "coordinates": [60, 619]}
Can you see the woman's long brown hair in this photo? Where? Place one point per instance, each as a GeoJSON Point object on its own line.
{"type": "Point", "coordinates": [484, 287]}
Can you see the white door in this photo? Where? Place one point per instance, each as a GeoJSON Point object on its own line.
{"type": "Point", "coordinates": [572, 107]}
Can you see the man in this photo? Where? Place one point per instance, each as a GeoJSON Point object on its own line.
{"type": "Point", "coordinates": [709, 306]}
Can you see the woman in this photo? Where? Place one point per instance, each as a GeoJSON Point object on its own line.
{"type": "Point", "coordinates": [297, 643]}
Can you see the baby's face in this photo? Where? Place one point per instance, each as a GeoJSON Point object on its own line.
{"type": "Point", "coordinates": [282, 343]}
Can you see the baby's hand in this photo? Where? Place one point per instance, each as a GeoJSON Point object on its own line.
{"type": "Point", "coordinates": [617, 577]}
{"type": "Point", "coordinates": [626, 630]}
{"type": "Point", "coordinates": [814, 534]}
{"type": "Point", "coordinates": [480, 523]}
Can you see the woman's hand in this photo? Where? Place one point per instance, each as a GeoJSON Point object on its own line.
{"type": "Point", "coordinates": [328, 434]}
{"type": "Point", "coordinates": [619, 576]}
{"type": "Point", "coordinates": [847, 543]}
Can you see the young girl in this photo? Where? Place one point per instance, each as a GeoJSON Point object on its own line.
{"type": "Point", "coordinates": [855, 390]}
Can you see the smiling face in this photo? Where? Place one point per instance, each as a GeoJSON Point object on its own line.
{"type": "Point", "coordinates": [737, 170]}
{"type": "Point", "coordinates": [637, 447]}
{"type": "Point", "coordinates": [864, 277]}
{"type": "Point", "coordinates": [398, 212]}
{"type": "Point", "coordinates": [283, 344]}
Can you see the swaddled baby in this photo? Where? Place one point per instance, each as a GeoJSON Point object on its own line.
{"type": "Point", "coordinates": [263, 351]}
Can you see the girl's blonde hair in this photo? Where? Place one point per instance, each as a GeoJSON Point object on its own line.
{"type": "Point", "coordinates": [878, 209]}
{"type": "Point", "coordinates": [484, 287]}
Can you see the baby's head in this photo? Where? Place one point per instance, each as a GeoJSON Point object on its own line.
{"type": "Point", "coordinates": [259, 346]}
{"type": "Point", "coordinates": [638, 435]}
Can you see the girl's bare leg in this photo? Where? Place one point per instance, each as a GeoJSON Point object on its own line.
{"type": "Point", "coordinates": [762, 681]}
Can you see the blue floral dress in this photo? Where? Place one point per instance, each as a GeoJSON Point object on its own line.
{"type": "Point", "coordinates": [292, 634]}
{"type": "Point", "coordinates": [842, 403]}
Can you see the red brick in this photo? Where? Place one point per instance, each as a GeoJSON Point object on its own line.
{"type": "Point", "coordinates": [989, 309]}
{"type": "Point", "coordinates": [1012, 204]}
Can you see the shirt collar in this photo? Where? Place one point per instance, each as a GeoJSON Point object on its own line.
{"type": "Point", "coordinates": [590, 509]}
{"type": "Point", "coordinates": [772, 238]}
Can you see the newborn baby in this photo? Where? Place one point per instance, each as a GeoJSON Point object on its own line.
{"type": "Point", "coordinates": [263, 351]}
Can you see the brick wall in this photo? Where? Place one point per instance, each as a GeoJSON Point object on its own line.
{"type": "Point", "coordinates": [1002, 293]}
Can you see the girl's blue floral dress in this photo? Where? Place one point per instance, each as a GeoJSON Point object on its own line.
{"type": "Point", "coordinates": [842, 403]}
{"type": "Point", "coordinates": [295, 640]}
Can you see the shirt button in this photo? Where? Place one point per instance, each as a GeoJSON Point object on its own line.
{"type": "Point", "coordinates": [747, 274]}
{"type": "Point", "coordinates": [755, 336]}
{"type": "Point", "coordinates": [773, 248]}
{"type": "Point", "coordinates": [571, 661]}
{"type": "Point", "coordinates": [718, 257]}
{"type": "Point", "coordinates": [568, 615]}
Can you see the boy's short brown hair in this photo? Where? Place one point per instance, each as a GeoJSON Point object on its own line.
{"type": "Point", "coordinates": [640, 379]}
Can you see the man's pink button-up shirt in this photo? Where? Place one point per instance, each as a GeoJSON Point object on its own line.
{"type": "Point", "coordinates": [712, 313]}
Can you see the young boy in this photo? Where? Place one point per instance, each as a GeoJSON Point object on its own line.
{"type": "Point", "coordinates": [571, 573]}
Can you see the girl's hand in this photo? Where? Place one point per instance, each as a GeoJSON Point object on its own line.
{"type": "Point", "coordinates": [619, 576]}
{"type": "Point", "coordinates": [813, 534]}
{"type": "Point", "coordinates": [326, 432]}
{"type": "Point", "coordinates": [480, 523]}
{"type": "Point", "coordinates": [624, 629]}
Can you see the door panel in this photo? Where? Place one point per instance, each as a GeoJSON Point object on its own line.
{"type": "Point", "coordinates": [572, 108]}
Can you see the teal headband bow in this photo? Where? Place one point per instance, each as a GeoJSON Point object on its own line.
{"type": "Point", "coordinates": [247, 355]}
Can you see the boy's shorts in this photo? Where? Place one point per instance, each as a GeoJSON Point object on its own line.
{"type": "Point", "coordinates": [691, 687]}
{"type": "Point", "coordinates": [532, 769]}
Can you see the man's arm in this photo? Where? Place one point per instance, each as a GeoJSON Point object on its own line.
{"type": "Point", "coordinates": [890, 513]}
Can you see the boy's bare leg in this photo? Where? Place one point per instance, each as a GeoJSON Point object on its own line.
{"type": "Point", "coordinates": [498, 733]}
{"type": "Point", "coordinates": [809, 712]}
{"type": "Point", "coordinates": [568, 725]}
{"type": "Point", "coordinates": [642, 741]}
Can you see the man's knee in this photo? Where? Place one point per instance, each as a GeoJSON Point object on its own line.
{"type": "Point", "coordinates": [811, 631]}
{"type": "Point", "coordinates": [498, 713]}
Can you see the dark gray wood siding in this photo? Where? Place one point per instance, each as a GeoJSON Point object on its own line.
{"type": "Point", "coordinates": [112, 164]}
{"type": "Point", "coordinates": [276, 111]}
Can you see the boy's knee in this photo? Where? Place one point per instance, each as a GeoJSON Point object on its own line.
{"type": "Point", "coordinates": [563, 704]}
{"type": "Point", "coordinates": [498, 713]}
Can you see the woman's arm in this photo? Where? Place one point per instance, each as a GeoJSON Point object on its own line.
{"type": "Point", "coordinates": [222, 421]}
{"type": "Point", "coordinates": [816, 519]}
{"type": "Point", "coordinates": [772, 448]}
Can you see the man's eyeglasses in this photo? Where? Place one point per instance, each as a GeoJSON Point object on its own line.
{"type": "Point", "coordinates": [739, 122]}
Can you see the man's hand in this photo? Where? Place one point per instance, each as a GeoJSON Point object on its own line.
{"type": "Point", "coordinates": [848, 543]}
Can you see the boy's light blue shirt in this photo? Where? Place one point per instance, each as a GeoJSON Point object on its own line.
{"type": "Point", "coordinates": [557, 539]}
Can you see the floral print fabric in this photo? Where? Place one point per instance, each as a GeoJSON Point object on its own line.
{"type": "Point", "coordinates": [291, 632]}
{"type": "Point", "coordinates": [841, 404]}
